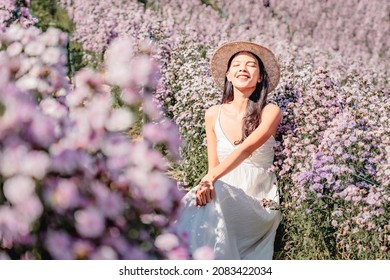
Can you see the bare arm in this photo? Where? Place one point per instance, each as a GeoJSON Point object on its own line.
{"type": "Point", "coordinates": [210, 118]}
{"type": "Point", "coordinates": [203, 193]}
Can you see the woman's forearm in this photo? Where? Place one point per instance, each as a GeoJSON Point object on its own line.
{"type": "Point", "coordinates": [238, 156]}
{"type": "Point", "coordinates": [227, 165]}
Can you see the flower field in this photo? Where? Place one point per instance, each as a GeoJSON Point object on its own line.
{"type": "Point", "coordinates": [102, 123]}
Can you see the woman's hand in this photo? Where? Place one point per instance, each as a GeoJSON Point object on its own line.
{"type": "Point", "coordinates": [205, 192]}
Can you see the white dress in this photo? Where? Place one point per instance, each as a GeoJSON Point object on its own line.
{"type": "Point", "coordinates": [235, 223]}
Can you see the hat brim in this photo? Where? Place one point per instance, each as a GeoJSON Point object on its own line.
{"type": "Point", "coordinates": [221, 56]}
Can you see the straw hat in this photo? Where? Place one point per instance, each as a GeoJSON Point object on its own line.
{"type": "Point", "coordinates": [221, 56]}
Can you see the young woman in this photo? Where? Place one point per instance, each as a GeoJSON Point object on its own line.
{"type": "Point", "coordinates": [229, 210]}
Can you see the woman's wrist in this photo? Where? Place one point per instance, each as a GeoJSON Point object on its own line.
{"type": "Point", "coordinates": [212, 176]}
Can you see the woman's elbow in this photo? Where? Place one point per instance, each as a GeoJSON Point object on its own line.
{"type": "Point", "coordinates": [251, 147]}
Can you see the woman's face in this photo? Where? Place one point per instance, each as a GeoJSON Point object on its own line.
{"type": "Point", "coordinates": [244, 71]}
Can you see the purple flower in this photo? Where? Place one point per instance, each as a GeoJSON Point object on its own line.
{"type": "Point", "coordinates": [89, 222]}
{"type": "Point", "coordinates": [68, 161]}
{"type": "Point", "coordinates": [316, 187]}
{"type": "Point", "coordinates": [330, 179]}
{"type": "Point", "coordinates": [62, 194]}
{"type": "Point", "coordinates": [111, 203]}
{"type": "Point", "coordinates": [155, 187]}
{"type": "Point", "coordinates": [4, 256]}
{"type": "Point", "coordinates": [154, 133]}
{"type": "Point", "coordinates": [179, 253]}
{"type": "Point", "coordinates": [58, 243]}
{"type": "Point", "coordinates": [42, 130]}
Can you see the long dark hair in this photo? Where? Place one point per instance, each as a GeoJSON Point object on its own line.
{"type": "Point", "coordinates": [256, 102]}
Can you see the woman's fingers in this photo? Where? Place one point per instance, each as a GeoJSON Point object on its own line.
{"type": "Point", "coordinates": [204, 195]}
{"type": "Point", "coordinates": [199, 198]}
{"type": "Point", "coordinates": [212, 192]}
{"type": "Point", "coordinates": [207, 195]}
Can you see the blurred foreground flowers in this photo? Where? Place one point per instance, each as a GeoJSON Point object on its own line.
{"type": "Point", "coordinates": [74, 185]}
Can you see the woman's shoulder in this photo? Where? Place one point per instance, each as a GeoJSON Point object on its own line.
{"type": "Point", "coordinates": [212, 112]}
{"type": "Point", "coordinates": [272, 108]}
{"type": "Point", "coordinates": [271, 111]}
{"type": "Point", "coordinates": [211, 115]}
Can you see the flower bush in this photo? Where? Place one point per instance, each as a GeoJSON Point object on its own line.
{"type": "Point", "coordinates": [335, 155]}
{"type": "Point", "coordinates": [332, 153]}
{"type": "Point", "coordinates": [186, 95]}
{"type": "Point", "coordinates": [15, 11]}
{"type": "Point", "coordinates": [74, 184]}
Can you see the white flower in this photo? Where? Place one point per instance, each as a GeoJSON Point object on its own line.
{"type": "Point", "coordinates": [52, 37]}
{"type": "Point", "coordinates": [34, 48]}
{"type": "Point", "coordinates": [27, 82]}
{"type": "Point", "coordinates": [204, 253]}
{"type": "Point", "coordinates": [52, 108]}
{"type": "Point", "coordinates": [166, 241]}
{"type": "Point", "coordinates": [105, 253]}
{"type": "Point", "coordinates": [15, 33]}
{"type": "Point", "coordinates": [18, 188]}
{"type": "Point", "coordinates": [35, 164]}
{"type": "Point", "coordinates": [119, 120]}
{"type": "Point", "coordinates": [118, 67]}
{"type": "Point", "coordinates": [14, 49]}
{"type": "Point", "coordinates": [51, 56]}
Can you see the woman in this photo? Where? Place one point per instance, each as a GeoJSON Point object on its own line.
{"type": "Point", "coordinates": [229, 210]}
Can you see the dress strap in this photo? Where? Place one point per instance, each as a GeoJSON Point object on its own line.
{"type": "Point", "coordinates": [219, 112]}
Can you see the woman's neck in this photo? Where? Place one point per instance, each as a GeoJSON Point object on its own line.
{"type": "Point", "coordinates": [239, 104]}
